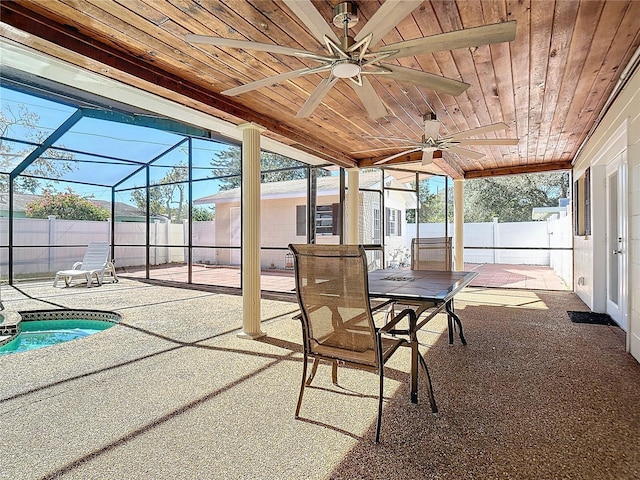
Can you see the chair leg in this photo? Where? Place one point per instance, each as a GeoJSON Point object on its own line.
{"type": "Point", "coordinates": [334, 372]}
{"type": "Point", "coordinates": [304, 377]}
{"type": "Point", "coordinates": [432, 400]}
{"type": "Point", "coordinates": [380, 398]}
{"type": "Point", "coordinates": [314, 369]}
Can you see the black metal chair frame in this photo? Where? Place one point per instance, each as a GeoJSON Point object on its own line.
{"type": "Point", "coordinates": [387, 338]}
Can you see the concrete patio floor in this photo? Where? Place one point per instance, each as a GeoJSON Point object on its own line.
{"type": "Point", "coordinates": [173, 393]}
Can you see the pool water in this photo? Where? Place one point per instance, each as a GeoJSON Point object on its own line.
{"type": "Point", "coordinates": [43, 333]}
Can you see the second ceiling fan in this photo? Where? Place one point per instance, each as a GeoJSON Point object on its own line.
{"type": "Point", "coordinates": [351, 58]}
{"type": "Point", "coordinates": [432, 141]}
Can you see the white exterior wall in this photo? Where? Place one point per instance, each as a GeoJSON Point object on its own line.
{"type": "Point", "coordinates": [624, 113]}
{"type": "Point", "coordinates": [279, 220]}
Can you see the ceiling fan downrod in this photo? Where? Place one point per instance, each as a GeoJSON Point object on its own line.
{"type": "Point", "coordinates": [345, 16]}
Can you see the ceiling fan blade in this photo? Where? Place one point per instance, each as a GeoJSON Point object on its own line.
{"type": "Point", "coordinates": [369, 98]}
{"type": "Point", "coordinates": [244, 44]}
{"type": "Point", "coordinates": [316, 97]}
{"type": "Point", "coordinates": [313, 20]}
{"type": "Point", "coordinates": [426, 80]}
{"type": "Point", "coordinates": [489, 141]}
{"type": "Point", "coordinates": [469, 37]}
{"type": "Point", "coordinates": [379, 162]}
{"type": "Point", "coordinates": [427, 157]}
{"type": "Point", "coordinates": [265, 82]}
{"type": "Point", "coordinates": [478, 131]}
{"type": "Point", "coordinates": [465, 152]}
{"type": "Point", "coordinates": [390, 13]}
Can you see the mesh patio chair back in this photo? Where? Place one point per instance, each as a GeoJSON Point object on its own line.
{"type": "Point", "coordinates": [332, 288]}
{"type": "Point", "coordinates": [431, 254]}
{"type": "Point", "coordinates": [337, 320]}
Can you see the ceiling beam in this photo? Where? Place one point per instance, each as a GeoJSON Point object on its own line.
{"type": "Point", "coordinates": [14, 14]}
{"type": "Point", "coordinates": [537, 168]}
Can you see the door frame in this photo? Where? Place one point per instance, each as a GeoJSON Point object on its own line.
{"type": "Point", "coordinates": [616, 166]}
{"type": "Point", "coordinates": [614, 151]}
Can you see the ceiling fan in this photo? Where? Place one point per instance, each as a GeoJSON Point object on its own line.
{"type": "Point", "coordinates": [351, 58]}
{"type": "Point", "coordinates": [432, 141]}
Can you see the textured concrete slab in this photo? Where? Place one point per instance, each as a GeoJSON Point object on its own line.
{"type": "Point", "coordinates": [173, 393]}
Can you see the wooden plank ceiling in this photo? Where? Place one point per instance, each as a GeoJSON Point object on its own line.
{"type": "Point", "coordinates": [549, 85]}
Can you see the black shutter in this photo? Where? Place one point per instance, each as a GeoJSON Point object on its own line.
{"type": "Point", "coordinates": [399, 221]}
{"type": "Point", "coordinates": [335, 219]}
{"type": "Point", "coordinates": [301, 220]}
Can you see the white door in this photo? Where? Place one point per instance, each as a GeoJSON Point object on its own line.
{"type": "Point", "coordinates": [616, 244]}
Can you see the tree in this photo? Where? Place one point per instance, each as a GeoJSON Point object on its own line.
{"type": "Point", "coordinates": [162, 196]}
{"type": "Point", "coordinates": [203, 214]}
{"type": "Point", "coordinates": [431, 198]}
{"type": "Point", "coordinates": [53, 166]}
{"type": "Point", "coordinates": [512, 198]}
{"type": "Point", "coordinates": [274, 167]}
{"type": "Point", "coordinates": [66, 206]}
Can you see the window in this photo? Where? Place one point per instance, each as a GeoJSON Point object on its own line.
{"type": "Point", "coordinates": [376, 227]}
{"type": "Point", "coordinates": [582, 204]}
{"type": "Point", "coordinates": [327, 219]}
{"type": "Point", "coordinates": [394, 223]}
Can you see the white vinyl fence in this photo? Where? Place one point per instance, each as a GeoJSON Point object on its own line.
{"type": "Point", "coordinates": [46, 246]}
{"type": "Point", "coordinates": [63, 243]}
{"type": "Point", "coordinates": [522, 240]}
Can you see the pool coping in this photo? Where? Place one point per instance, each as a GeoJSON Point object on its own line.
{"type": "Point", "coordinates": [11, 327]}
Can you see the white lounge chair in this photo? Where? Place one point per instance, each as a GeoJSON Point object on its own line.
{"type": "Point", "coordinates": [95, 264]}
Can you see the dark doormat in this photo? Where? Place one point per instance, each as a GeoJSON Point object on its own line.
{"type": "Point", "coordinates": [590, 317]}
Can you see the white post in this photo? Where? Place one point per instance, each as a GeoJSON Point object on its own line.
{"type": "Point", "coordinates": [52, 240]}
{"type": "Point", "coordinates": [251, 231]}
{"type": "Point", "coordinates": [353, 214]}
{"type": "Point", "coordinates": [495, 239]}
{"type": "Point", "coordinates": [458, 224]}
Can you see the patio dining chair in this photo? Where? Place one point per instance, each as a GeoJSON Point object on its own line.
{"type": "Point", "coordinates": [337, 318]}
{"type": "Point", "coordinates": [95, 265]}
{"type": "Point", "coordinates": [432, 253]}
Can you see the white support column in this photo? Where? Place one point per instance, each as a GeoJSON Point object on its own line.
{"type": "Point", "coordinates": [251, 231]}
{"type": "Point", "coordinates": [458, 224]}
{"type": "Point", "coordinates": [353, 213]}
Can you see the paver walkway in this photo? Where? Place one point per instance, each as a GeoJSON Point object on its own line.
{"type": "Point", "coordinates": [533, 277]}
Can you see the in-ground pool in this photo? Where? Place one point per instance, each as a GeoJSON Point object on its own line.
{"type": "Point", "coordinates": [43, 328]}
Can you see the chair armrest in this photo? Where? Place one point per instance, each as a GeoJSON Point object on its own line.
{"type": "Point", "coordinates": [76, 265]}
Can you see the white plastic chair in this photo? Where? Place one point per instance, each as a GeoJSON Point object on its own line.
{"type": "Point", "coordinates": [94, 265]}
